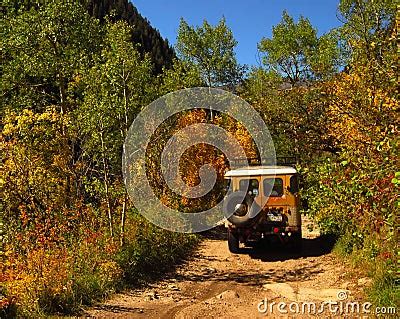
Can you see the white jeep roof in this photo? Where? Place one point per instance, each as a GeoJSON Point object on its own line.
{"type": "Point", "coordinates": [261, 170]}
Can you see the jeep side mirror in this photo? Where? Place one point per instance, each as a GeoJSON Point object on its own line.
{"type": "Point", "coordinates": [294, 185]}
{"type": "Point", "coordinates": [292, 190]}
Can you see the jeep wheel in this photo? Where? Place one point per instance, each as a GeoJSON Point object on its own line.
{"type": "Point", "coordinates": [240, 209]}
{"type": "Point", "coordinates": [233, 242]}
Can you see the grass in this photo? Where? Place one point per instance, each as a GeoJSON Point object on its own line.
{"type": "Point", "coordinates": [375, 260]}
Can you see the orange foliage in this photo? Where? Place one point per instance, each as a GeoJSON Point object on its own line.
{"type": "Point", "coordinates": [200, 154]}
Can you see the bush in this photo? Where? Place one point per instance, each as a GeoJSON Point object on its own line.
{"type": "Point", "coordinates": [61, 278]}
{"type": "Point", "coordinates": [150, 251]}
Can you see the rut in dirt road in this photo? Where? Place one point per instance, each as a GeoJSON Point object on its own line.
{"type": "Point", "coordinates": [217, 284]}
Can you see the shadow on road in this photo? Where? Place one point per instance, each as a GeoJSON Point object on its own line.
{"type": "Point", "coordinates": [216, 233]}
{"type": "Point", "coordinates": [263, 252]}
{"type": "Point", "coordinates": [117, 308]}
{"type": "Point", "coordinates": [275, 251]}
{"type": "Point", "coordinates": [314, 247]}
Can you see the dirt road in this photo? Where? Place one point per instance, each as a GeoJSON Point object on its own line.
{"type": "Point", "coordinates": [217, 284]}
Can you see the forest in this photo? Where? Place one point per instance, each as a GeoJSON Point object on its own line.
{"type": "Point", "coordinates": [75, 74]}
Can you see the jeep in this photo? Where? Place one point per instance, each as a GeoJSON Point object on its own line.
{"type": "Point", "coordinates": [263, 202]}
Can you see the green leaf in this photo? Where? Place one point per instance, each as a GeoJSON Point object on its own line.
{"type": "Point", "coordinates": [212, 50]}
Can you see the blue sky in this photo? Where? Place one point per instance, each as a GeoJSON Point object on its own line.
{"type": "Point", "coordinates": [250, 20]}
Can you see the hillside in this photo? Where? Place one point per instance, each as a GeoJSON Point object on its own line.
{"type": "Point", "coordinates": [144, 34]}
